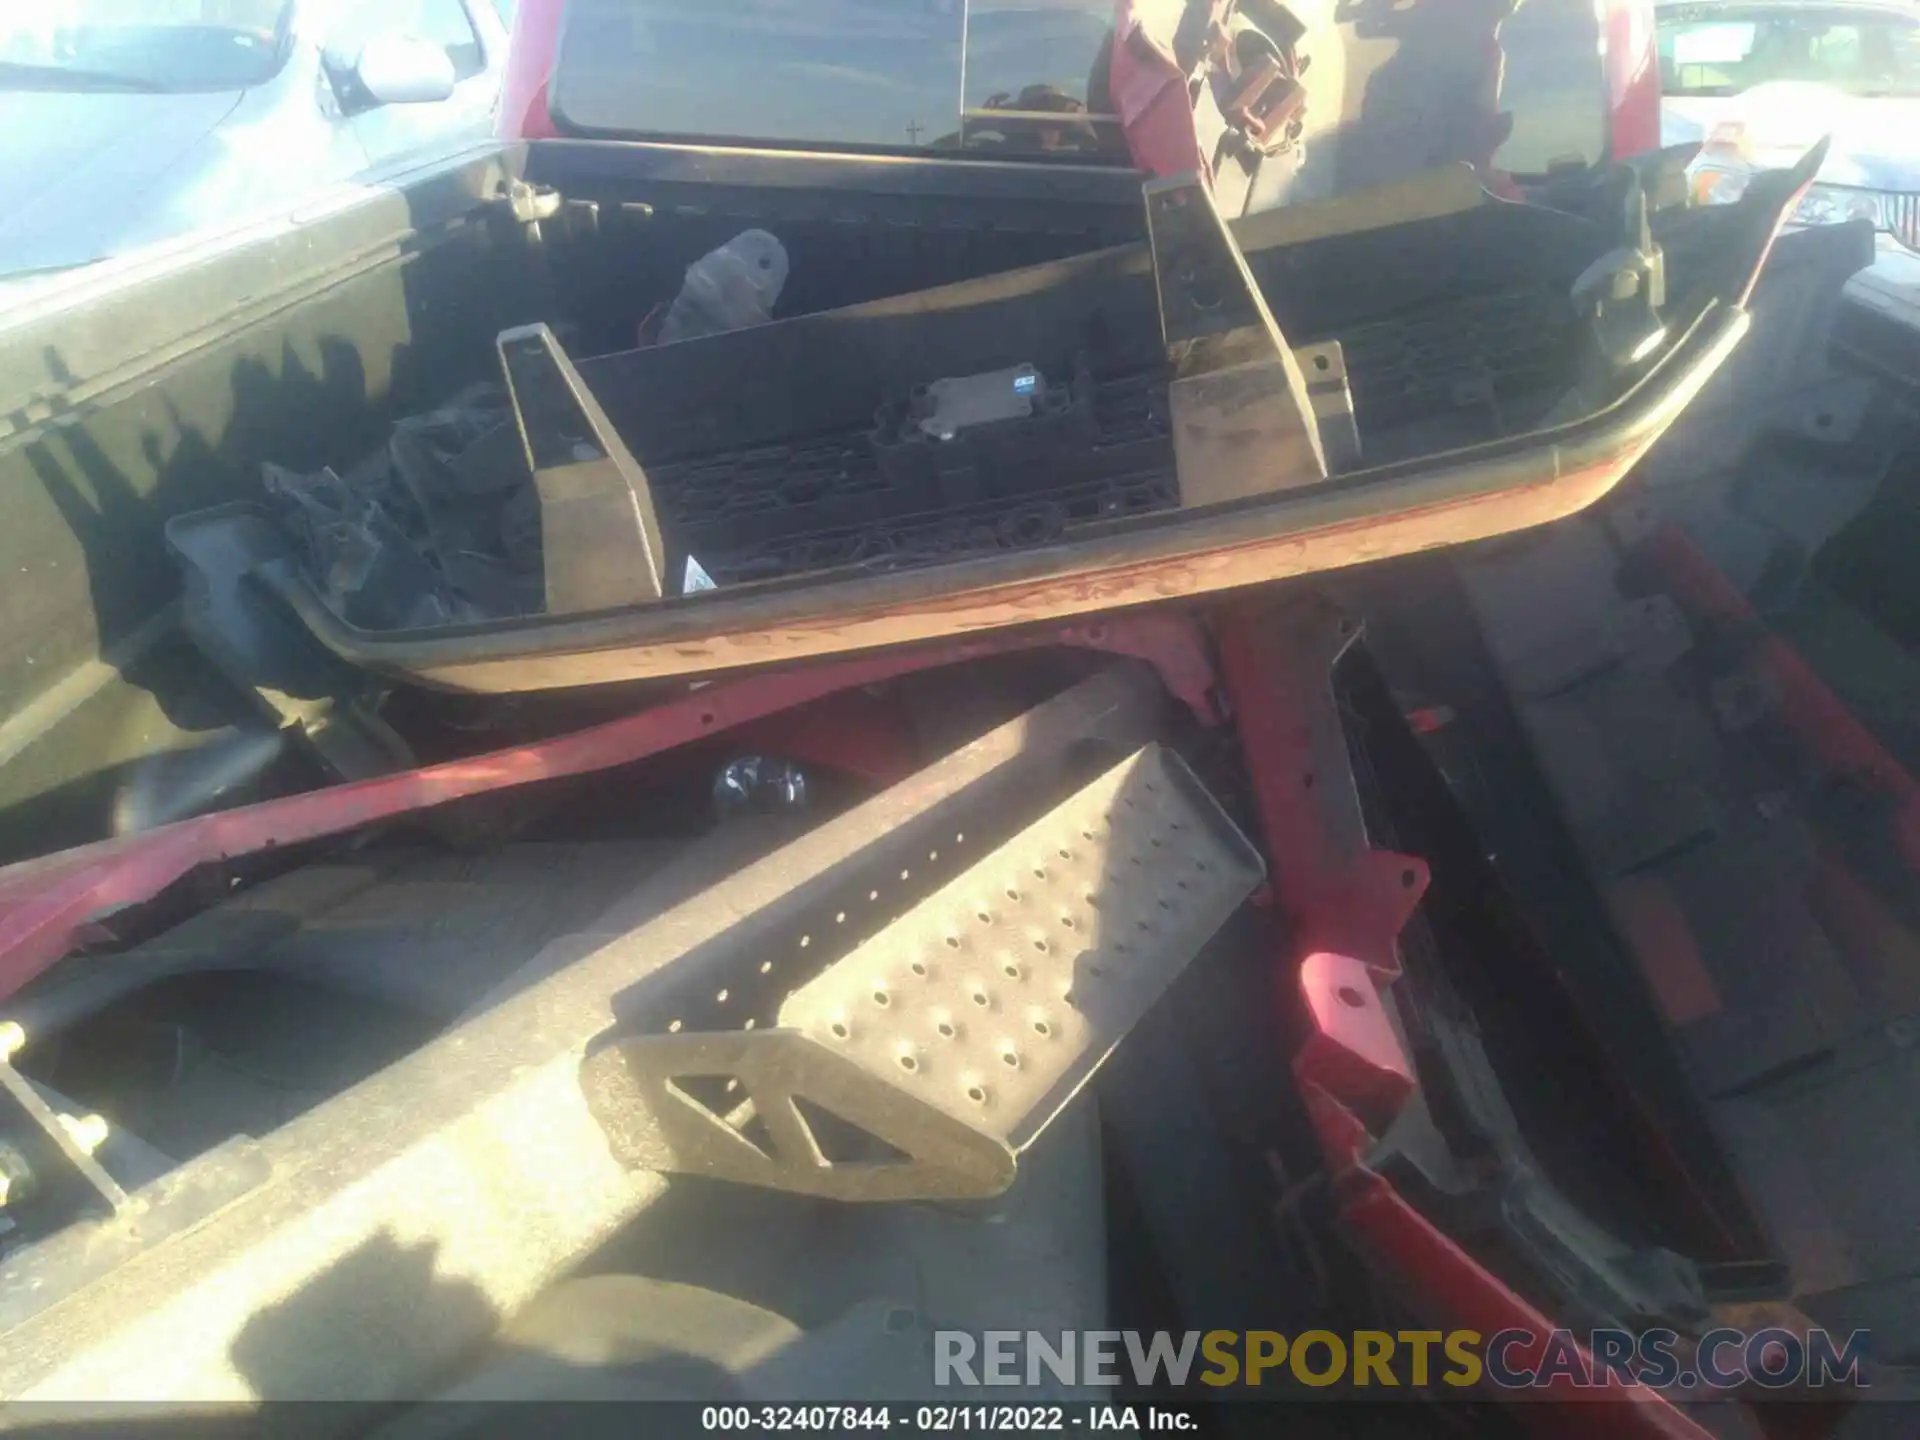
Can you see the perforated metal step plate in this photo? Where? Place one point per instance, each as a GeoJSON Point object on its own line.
{"type": "Point", "coordinates": [953, 1036]}
{"type": "Point", "coordinates": [995, 999]}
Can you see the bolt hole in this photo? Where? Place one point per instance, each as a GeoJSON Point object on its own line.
{"type": "Point", "coordinates": [919, 967]}
{"type": "Point", "coordinates": [1012, 894]}
{"type": "Point", "coordinates": [673, 1028]}
{"type": "Point", "coordinates": [1350, 996]}
{"type": "Point", "coordinates": [805, 941]}
{"type": "Point", "coordinates": [1823, 420]}
{"type": "Point", "coordinates": [1164, 904]}
{"type": "Point", "coordinates": [1039, 872]}
{"type": "Point", "coordinates": [1042, 1029]}
{"type": "Point", "coordinates": [766, 967]}
{"type": "Point", "coordinates": [983, 917]}
{"type": "Point", "coordinates": [980, 998]}
{"type": "Point", "coordinates": [841, 918]}
{"type": "Point", "coordinates": [1408, 879]}
{"type": "Point", "coordinates": [880, 999]}
{"type": "Point", "coordinates": [907, 1062]}
{"type": "Point", "coordinates": [732, 1085]}
{"type": "Point", "coordinates": [906, 874]}
{"type": "Point", "coordinates": [1306, 781]}
{"type": "Point", "coordinates": [872, 895]}
{"type": "Point", "coordinates": [721, 997]}
{"type": "Point", "coordinates": [1012, 972]}
{"type": "Point", "coordinates": [1182, 885]}
{"type": "Point", "coordinates": [839, 1031]}
{"type": "Point", "coordinates": [1086, 834]}
{"type": "Point", "coordinates": [749, 1024]}
{"type": "Point", "coordinates": [1067, 922]}
{"type": "Point", "coordinates": [1065, 854]}
{"type": "Point", "coordinates": [976, 1094]}
{"type": "Point", "coordinates": [933, 855]}
{"type": "Point", "coordinates": [706, 717]}
{"type": "Point", "coordinates": [960, 837]}
{"type": "Point", "coordinates": [946, 1028]}
{"type": "Point", "coordinates": [953, 942]}
{"type": "Point", "coordinates": [1041, 946]}
{"type": "Point", "coordinates": [1010, 1060]}
{"type": "Point", "coordinates": [1095, 970]}
{"type": "Point", "coordinates": [1155, 842]}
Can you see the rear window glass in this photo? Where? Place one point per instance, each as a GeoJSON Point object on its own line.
{"type": "Point", "coordinates": [993, 75]}
{"type": "Point", "coordinates": [1395, 84]}
{"type": "Point", "coordinates": [1723, 50]}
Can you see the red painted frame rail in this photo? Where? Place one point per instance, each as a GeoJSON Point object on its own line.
{"type": "Point", "coordinates": [1345, 903]}
{"type": "Point", "coordinates": [46, 904]}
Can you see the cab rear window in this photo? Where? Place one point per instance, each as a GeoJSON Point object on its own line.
{"type": "Point", "coordinates": [1391, 84]}
{"type": "Point", "coordinates": [1009, 76]}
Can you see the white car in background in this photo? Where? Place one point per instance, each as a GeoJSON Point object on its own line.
{"type": "Point", "coordinates": [128, 122]}
{"type": "Point", "coordinates": [1756, 82]}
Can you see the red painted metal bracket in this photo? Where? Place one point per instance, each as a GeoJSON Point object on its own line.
{"type": "Point", "coordinates": [45, 904]}
{"type": "Point", "coordinates": [1462, 1294]}
{"type": "Point", "coordinates": [1345, 904]}
{"type": "Point", "coordinates": [1339, 893]}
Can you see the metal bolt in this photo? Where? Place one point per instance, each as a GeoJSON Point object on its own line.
{"type": "Point", "coordinates": [16, 1175]}
{"type": "Point", "coordinates": [12, 1038]}
{"type": "Point", "coordinates": [88, 1132]}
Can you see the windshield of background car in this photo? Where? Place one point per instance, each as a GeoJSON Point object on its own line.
{"type": "Point", "coordinates": [1724, 50]}
{"type": "Point", "coordinates": [155, 45]}
{"type": "Point", "coordinates": [1027, 78]}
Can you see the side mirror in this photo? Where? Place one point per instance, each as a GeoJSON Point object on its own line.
{"type": "Point", "coordinates": [399, 70]}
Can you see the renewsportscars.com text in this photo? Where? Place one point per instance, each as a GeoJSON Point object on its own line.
{"type": "Point", "coordinates": [1374, 1359]}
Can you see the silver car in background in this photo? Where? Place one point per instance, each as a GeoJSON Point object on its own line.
{"type": "Point", "coordinates": [128, 122]}
{"type": "Point", "coordinates": [1756, 82]}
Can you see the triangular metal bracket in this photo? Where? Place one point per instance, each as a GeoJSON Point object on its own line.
{"type": "Point", "coordinates": [599, 538]}
{"type": "Point", "coordinates": [1243, 421]}
{"type": "Point", "coordinates": [653, 1125]}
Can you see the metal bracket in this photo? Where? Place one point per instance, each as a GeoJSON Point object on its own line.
{"type": "Point", "coordinates": [47, 1169]}
{"type": "Point", "coordinates": [530, 204]}
{"type": "Point", "coordinates": [1325, 367]}
{"type": "Point", "coordinates": [600, 539]}
{"type": "Point", "coordinates": [939, 1049]}
{"type": "Point", "coordinates": [1243, 423]}
{"type": "Point", "coordinates": [1623, 291]}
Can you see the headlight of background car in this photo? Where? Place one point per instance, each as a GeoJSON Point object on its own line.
{"type": "Point", "coordinates": [1892, 212]}
{"type": "Point", "coordinates": [1832, 204]}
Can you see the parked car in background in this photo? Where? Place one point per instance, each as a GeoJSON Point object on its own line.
{"type": "Point", "coordinates": [125, 122]}
{"type": "Point", "coordinates": [1755, 82]}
